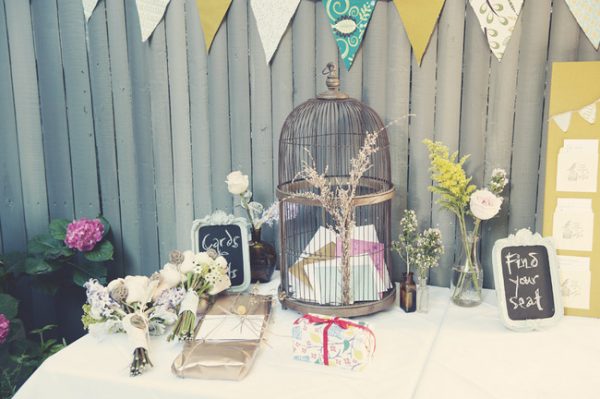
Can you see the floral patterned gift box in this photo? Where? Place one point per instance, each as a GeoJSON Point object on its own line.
{"type": "Point", "coordinates": [333, 341]}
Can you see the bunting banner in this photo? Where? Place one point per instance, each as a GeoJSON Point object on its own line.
{"type": "Point", "coordinates": [150, 12]}
{"type": "Point", "coordinates": [88, 8]}
{"type": "Point", "coordinates": [211, 13]}
{"type": "Point", "coordinates": [497, 19]}
{"type": "Point", "coordinates": [587, 14]}
{"type": "Point", "coordinates": [419, 19]}
{"type": "Point", "coordinates": [272, 19]}
{"type": "Point", "coordinates": [587, 113]}
{"type": "Point", "coordinates": [349, 20]}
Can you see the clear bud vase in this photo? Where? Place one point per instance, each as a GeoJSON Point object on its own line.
{"type": "Point", "coordinates": [467, 276]}
{"type": "Point", "coordinates": [422, 294]}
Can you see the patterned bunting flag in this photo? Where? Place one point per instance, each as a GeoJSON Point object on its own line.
{"type": "Point", "coordinates": [150, 12]}
{"type": "Point", "coordinates": [419, 18]}
{"type": "Point", "coordinates": [349, 20]}
{"type": "Point", "coordinates": [212, 13]}
{"type": "Point", "coordinates": [587, 14]}
{"type": "Point", "coordinates": [497, 19]}
{"type": "Point", "coordinates": [272, 19]}
{"type": "Point", "coordinates": [88, 8]}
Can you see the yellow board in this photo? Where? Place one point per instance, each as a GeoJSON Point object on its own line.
{"type": "Point", "coordinates": [574, 85]}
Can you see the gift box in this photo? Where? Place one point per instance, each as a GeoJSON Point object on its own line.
{"type": "Point", "coordinates": [333, 341]}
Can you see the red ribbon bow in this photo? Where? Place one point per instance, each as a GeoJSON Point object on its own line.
{"type": "Point", "coordinates": [342, 323]}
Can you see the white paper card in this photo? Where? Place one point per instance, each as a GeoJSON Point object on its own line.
{"type": "Point", "coordinates": [577, 167]}
{"type": "Point", "coordinates": [231, 327]}
{"type": "Point", "coordinates": [573, 224]}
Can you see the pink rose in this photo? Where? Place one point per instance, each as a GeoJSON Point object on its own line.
{"type": "Point", "coordinates": [4, 328]}
{"type": "Point", "coordinates": [485, 204]}
{"type": "Point", "coordinates": [84, 234]}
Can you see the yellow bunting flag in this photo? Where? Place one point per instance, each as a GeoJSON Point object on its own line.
{"type": "Point", "coordinates": [212, 13]}
{"type": "Point", "coordinates": [419, 18]}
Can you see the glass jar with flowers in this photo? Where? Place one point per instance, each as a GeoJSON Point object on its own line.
{"type": "Point", "coordinates": [263, 257]}
{"type": "Point", "coordinates": [471, 206]}
{"type": "Point", "coordinates": [422, 251]}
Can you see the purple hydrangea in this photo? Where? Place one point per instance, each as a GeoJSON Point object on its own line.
{"type": "Point", "coordinates": [84, 234]}
{"type": "Point", "coordinates": [4, 328]}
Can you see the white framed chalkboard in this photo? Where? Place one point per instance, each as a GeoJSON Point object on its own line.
{"type": "Point", "coordinates": [527, 282]}
{"type": "Point", "coordinates": [228, 235]}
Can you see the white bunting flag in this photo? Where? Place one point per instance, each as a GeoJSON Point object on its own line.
{"type": "Point", "coordinates": [563, 120]}
{"type": "Point", "coordinates": [88, 8]}
{"type": "Point", "coordinates": [150, 13]}
{"type": "Point", "coordinates": [272, 20]}
{"type": "Point", "coordinates": [588, 113]}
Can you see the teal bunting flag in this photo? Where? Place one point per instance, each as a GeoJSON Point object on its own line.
{"type": "Point", "coordinates": [349, 20]}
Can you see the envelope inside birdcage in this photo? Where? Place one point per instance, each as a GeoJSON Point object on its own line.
{"type": "Point", "coordinates": [333, 341]}
{"type": "Point", "coordinates": [227, 339]}
{"type": "Point", "coordinates": [317, 275]}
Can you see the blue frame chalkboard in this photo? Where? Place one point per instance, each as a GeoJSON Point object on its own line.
{"type": "Point", "coordinates": [228, 235]}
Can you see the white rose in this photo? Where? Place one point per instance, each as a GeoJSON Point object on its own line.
{"type": "Point", "coordinates": [221, 262]}
{"type": "Point", "coordinates": [188, 262]}
{"type": "Point", "coordinates": [137, 287]}
{"type": "Point", "coordinates": [237, 183]}
{"type": "Point", "coordinates": [169, 277]}
{"type": "Point", "coordinates": [484, 204]}
{"type": "Point", "coordinates": [202, 258]}
{"type": "Point", "coordinates": [114, 284]}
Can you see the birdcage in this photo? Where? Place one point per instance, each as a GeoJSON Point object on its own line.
{"type": "Point", "coordinates": [327, 268]}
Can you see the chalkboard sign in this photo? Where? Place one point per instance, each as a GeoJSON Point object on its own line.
{"type": "Point", "coordinates": [527, 284]}
{"type": "Point", "coordinates": [228, 235]}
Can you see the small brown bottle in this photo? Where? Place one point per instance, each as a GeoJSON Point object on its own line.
{"type": "Point", "coordinates": [408, 293]}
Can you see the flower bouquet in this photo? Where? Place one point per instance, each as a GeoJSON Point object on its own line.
{"type": "Point", "coordinates": [200, 275]}
{"type": "Point", "coordinates": [459, 196]}
{"type": "Point", "coordinates": [137, 305]}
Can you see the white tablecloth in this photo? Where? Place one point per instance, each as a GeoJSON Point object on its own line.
{"type": "Point", "coordinates": [448, 352]}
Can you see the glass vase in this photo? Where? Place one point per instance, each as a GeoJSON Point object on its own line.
{"type": "Point", "coordinates": [467, 276]}
{"type": "Point", "coordinates": [408, 293]}
{"type": "Point", "coordinates": [263, 258]}
{"type": "Point", "coordinates": [422, 294]}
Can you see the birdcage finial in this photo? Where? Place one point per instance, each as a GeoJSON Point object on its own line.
{"type": "Point", "coordinates": [333, 83]}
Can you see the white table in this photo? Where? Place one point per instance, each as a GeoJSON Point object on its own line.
{"type": "Point", "coordinates": [448, 352]}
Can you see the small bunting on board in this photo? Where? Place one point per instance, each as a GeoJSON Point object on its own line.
{"type": "Point", "coordinates": [349, 20]}
{"type": "Point", "coordinates": [587, 113]}
{"type": "Point", "coordinates": [150, 12]}
{"type": "Point", "coordinates": [211, 13]}
{"type": "Point", "coordinates": [419, 19]}
{"type": "Point", "coordinates": [88, 8]}
{"type": "Point", "coordinates": [587, 14]}
{"type": "Point", "coordinates": [497, 19]}
{"type": "Point", "coordinates": [272, 20]}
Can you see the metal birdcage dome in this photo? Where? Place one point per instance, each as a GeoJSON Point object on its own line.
{"type": "Point", "coordinates": [327, 132]}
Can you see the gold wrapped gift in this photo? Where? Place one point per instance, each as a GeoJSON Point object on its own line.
{"type": "Point", "coordinates": [216, 354]}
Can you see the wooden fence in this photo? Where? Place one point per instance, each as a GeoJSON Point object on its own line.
{"type": "Point", "coordinates": [92, 120]}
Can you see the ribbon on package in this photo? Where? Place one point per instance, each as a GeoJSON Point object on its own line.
{"type": "Point", "coordinates": [587, 14]}
{"type": "Point", "coordinates": [342, 323]}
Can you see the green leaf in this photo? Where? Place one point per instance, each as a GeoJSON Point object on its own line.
{"type": "Point", "coordinates": [47, 286]}
{"type": "Point", "coordinates": [17, 331]}
{"type": "Point", "coordinates": [48, 247]}
{"type": "Point", "coordinates": [8, 306]}
{"type": "Point", "coordinates": [82, 273]}
{"type": "Point", "coordinates": [14, 262]}
{"type": "Point", "coordinates": [102, 252]}
{"type": "Point", "coordinates": [36, 266]}
{"type": "Point", "coordinates": [106, 226]}
{"type": "Point", "coordinates": [58, 228]}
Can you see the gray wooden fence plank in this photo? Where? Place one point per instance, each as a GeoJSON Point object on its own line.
{"type": "Point", "coordinates": [104, 127]}
{"type": "Point", "coordinates": [218, 92]}
{"type": "Point", "coordinates": [79, 108]}
{"type": "Point", "coordinates": [239, 88]}
{"type": "Point", "coordinates": [447, 118]}
{"type": "Point", "coordinates": [528, 110]}
{"type": "Point", "coordinates": [423, 87]}
{"type": "Point", "coordinates": [53, 109]}
{"type": "Point", "coordinates": [27, 112]}
{"type": "Point", "coordinates": [563, 46]}
{"type": "Point", "coordinates": [263, 182]}
{"type": "Point", "coordinates": [11, 198]}
{"type": "Point", "coordinates": [180, 122]}
{"type": "Point", "coordinates": [499, 134]}
{"type": "Point", "coordinates": [162, 145]}
{"type": "Point", "coordinates": [586, 52]}
{"type": "Point", "coordinates": [326, 48]}
{"type": "Point", "coordinates": [374, 69]}
{"type": "Point", "coordinates": [199, 114]}
{"type": "Point", "coordinates": [303, 30]}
